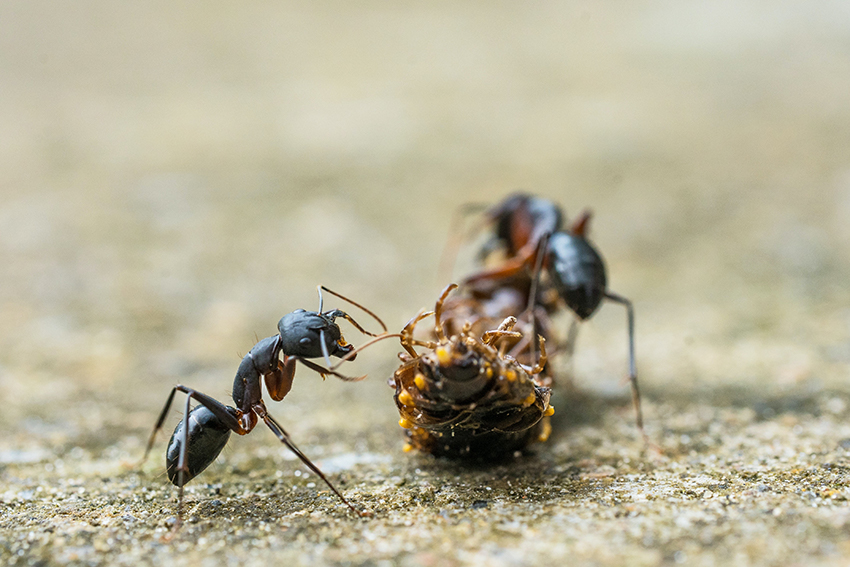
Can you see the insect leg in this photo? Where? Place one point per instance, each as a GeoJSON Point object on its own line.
{"type": "Point", "coordinates": [630, 312]}
{"type": "Point", "coordinates": [216, 408]}
{"type": "Point", "coordinates": [286, 440]}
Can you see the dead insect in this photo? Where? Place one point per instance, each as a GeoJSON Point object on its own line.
{"type": "Point", "coordinates": [466, 397]}
{"type": "Point", "coordinates": [529, 230]}
{"type": "Point", "coordinates": [205, 429]}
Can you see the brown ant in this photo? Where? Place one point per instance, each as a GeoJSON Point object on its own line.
{"type": "Point", "coordinates": [529, 229]}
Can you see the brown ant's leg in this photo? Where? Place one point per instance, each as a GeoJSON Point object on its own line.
{"type": "Point", "coordinates": [283, 436]}
{"type": "Point", "coordinates": [632, 366]}
{"type": "Point", "coordinates": [508, 268]}
{"type": "Point", "coordinates": [540, 254]}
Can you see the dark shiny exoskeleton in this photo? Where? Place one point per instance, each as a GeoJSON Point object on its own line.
{"type": "Point", "coordinates": [206, 438]}
{"type": "Point", "coordinates": [204, 430]}
{"type": "Point", "coordinates": [529, 230]}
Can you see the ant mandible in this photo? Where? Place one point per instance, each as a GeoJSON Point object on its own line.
{"type": "Point", "coordinates": [204, 431]}
{"type": "Point", "coordinates": [529, 229]}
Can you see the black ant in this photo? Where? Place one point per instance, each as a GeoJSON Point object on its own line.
{"type": "Point", "coordinates": [529, 229]}
{"type": "Point", "coordinates": [204, 431]}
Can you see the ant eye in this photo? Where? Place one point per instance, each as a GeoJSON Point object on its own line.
{"type": "Point", "coordinates": [305, 341]}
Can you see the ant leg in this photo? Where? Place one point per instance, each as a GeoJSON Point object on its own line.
{"type": "Point", "coordinates": [210, 403]}
{"type": "Point", "coordinates": [540, 253]}
{"type": "Point", "coordinates": [572, 336]}
{"type": "Point", "coordinates": [323, 372]}
{"type": "Point", "coordinates": [158, 426]}
{"type": "Point", "coordinates": [279, 381]}
{"type": "Point", "coordinates": [508, 268]}
{"type": "Point", "coordinates": [281, 434]}
{"type": "Point", "coordinates": [216, 408]}
{"type": "Point", "coordinates": [630, 312]}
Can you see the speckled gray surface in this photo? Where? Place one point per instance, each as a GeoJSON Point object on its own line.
{"type": "Point", "coordinates": [174, 180]}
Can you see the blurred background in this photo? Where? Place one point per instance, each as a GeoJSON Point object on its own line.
{"type": "Point", "coordinates": [175, 178]}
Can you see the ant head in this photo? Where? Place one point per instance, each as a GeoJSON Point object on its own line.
{"type": "Point", "coordinates": [303, 332]}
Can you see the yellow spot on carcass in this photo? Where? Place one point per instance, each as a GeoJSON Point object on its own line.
{"type": "Point", "coordinates": [407, 448]}
{"type": "Point", "coordinates": [405, 423]}
{"type": "Point", "coordinates": [510, 375]}
{"type": "Point", "coordinates": [549, 411]}
{"type": "Point", "coordinates": [444, 357]}
{"type": "Point", "coordinates": [405, 398]}
{"type": "Point", "coordinates": [529, 400]}
{"type": "Point", "coordinates": [420, 382]}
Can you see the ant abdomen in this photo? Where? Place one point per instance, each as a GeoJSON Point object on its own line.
{"type": "Point", "coordinates": [207, 436]}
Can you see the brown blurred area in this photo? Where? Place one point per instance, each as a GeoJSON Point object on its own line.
{"type": "Point", "coordinates": [175, 178]}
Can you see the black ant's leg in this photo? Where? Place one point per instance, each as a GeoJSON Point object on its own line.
{"type": "Point", "coordinates": [158, 426]}
{"type": "Point", "coordinates": [286, 440]}
{"type": "Point", "coordinates": [216, 407]}
{"type": "Point", "coordinates": [630, 312]}
{"type": "Point", "coordinates": [219, 410]}
{"type": "Point", "coordinates": [572, 336]}
{"type": "Point", "coordinates": [279, 381]}
{"type": "Point", "coordinates": [325, 371]}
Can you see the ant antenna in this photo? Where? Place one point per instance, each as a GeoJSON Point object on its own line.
{"type": "Point", "coordinates": [346, 316]}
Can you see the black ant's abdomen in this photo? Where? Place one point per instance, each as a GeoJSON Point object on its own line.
{"type": "Point", "coordinates": [207, 437]}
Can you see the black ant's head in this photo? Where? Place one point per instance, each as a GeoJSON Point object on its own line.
{"type": "Point", "coordinates": [303, 332]}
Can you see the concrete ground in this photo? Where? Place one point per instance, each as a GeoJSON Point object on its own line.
{"type": "Point", "coordinates": [175, 179]}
